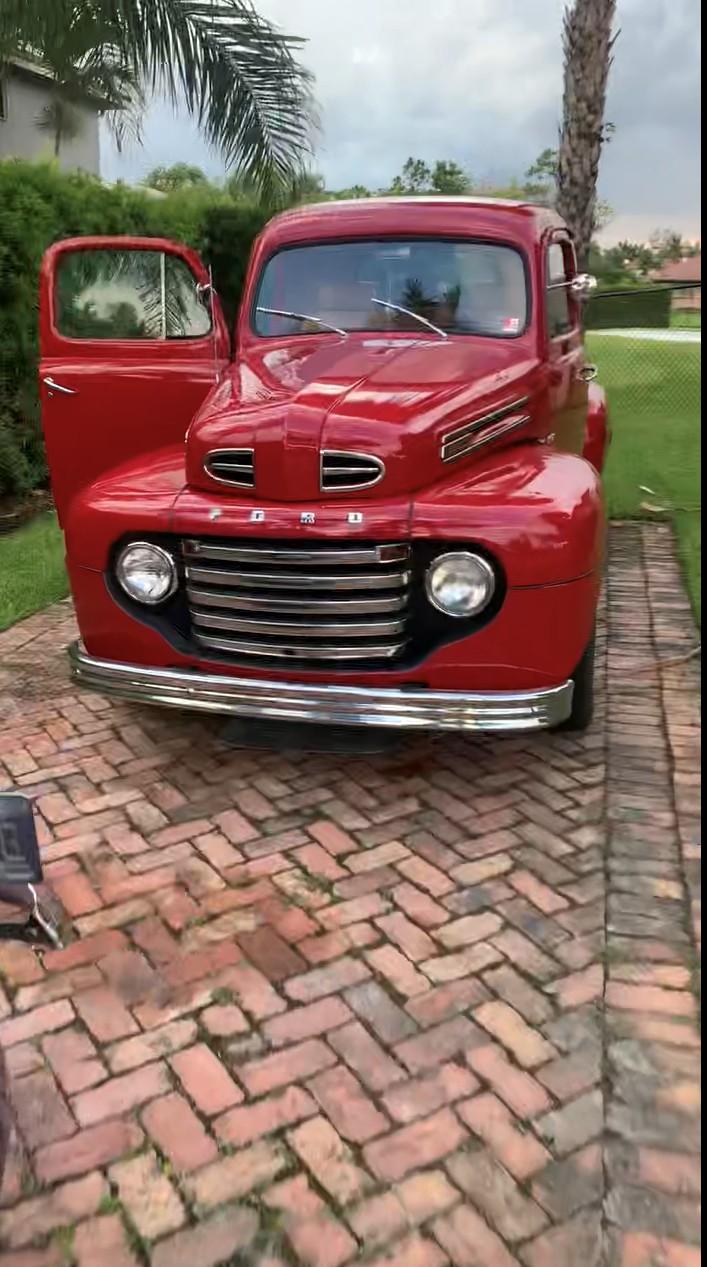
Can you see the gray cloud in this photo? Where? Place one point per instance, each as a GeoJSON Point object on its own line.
{"type": "Point", "coordinates": [480, 82]}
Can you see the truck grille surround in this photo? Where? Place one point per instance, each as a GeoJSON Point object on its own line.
{"type": "Point", "coordinates": [323, 603]}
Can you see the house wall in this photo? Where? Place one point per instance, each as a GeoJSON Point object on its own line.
{"type": "Point", "coordinates": [23, 100]}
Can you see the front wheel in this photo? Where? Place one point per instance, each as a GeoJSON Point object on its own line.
{"type": "Point", "coordinates": [583, 696]}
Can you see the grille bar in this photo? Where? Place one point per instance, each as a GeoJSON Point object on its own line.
{"type": "Point", "coordinates": [340, 472]}
{"type": "Point", "coordinates": [232, 466]}
{"type": "Point", "coordinates": [200, 596]}
{"type": "Point", "coordinates": [288, 653]}
{"type": "Point", "coordinates": [319, 602]}
{"type": "Point", "coordinates": [463, 439]}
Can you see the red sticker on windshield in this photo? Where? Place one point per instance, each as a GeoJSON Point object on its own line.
{"type": "Point", "coordinates": [511, 325]}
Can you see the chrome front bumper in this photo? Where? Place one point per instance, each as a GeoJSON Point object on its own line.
{"type": "Point", "coordinates": [335, 705]}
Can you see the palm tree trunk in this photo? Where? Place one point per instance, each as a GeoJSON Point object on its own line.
{"type": "Point", "coordinates": [57, 141]}
{"type": "Point", "coordinates": [587, 43]}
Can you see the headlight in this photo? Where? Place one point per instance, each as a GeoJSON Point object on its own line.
{"type": "Point", "coordinates": [460, 584]}
{"type": "Point", "coordinates": [146, 572]}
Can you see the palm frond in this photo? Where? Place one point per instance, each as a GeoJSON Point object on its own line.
{"type": "Point", "coordinates": [237, 73]}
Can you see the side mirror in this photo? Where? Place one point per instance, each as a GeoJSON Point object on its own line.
{"type": "Point", "coordinates": [204, 293]}
{"type": "Point", "coordinates": [582, 285]}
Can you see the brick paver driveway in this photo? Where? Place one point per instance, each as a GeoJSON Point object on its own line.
{"type": "Point", "coordinates": [423, 1009]}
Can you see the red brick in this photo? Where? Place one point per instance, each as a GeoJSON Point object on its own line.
{"type": "Point", "coordinates": [339, 914]}
{"type": "Point", "coordinates": [102, 1011]}
{"type": "Point", "coordinates": [516, 991]}
{"type": "Point", "coordinates": [42, 1020]}
{"type": "Point", "coordinates": [135, 885]}
{"type": "Point", "coordinates": [425, 875]}
{"type": "Point", "coordinates": [640, 1249]}
{"type": "Point", "coordinates": [201, 963]}
{"type": "Point", "coordinates": [334, 840]}
{"type": "Point", "coordinates": [468, 1240]}
{"type": "Point", "coordinates": [223, 1020]}
{"type": "Point", "coordinates": [545, 898]}
{"type": "Point", "coordinates": [58, 985]}
{"type": "Point", "coordinates": [397, 969]}
{"type": "Point", "coordinates": [253, 991]}
{"type": "Point", "coordinates": [347, 1106]}
{"type": "Point", "coordinates": [678, 1173]}
{"type": "Point", "coordinates": [34, 1219]}
{"type": "Point", "coordinates": [420, 1144]}
{"type": "Point", "coordinates": [463, 963]}
{"type": "Point", "coordinates": [648, 998]}
{"type": "Point", "coordinates": [470, 874]}
{"type": "Point", "coordinates": [413, 941]}
{"type": "Point", "coordinates": [19, 964]}
{"type": "Point", "coordinates": [86, 950]}
{"type": "Point", "coordinates": [521, 1154]}
{"type": "Point", "coordinates": [307, 1022]}
{"type": "Point", "coordinates": [372, 1064]}
{"type": "Point", "coordinates": [468, 929]}
{"type": "Point", "coordinates": [74, 1060]}
{"type": "Point", "coordinates": [233, 1177]}
{"type": "Point", "coordinates": [438, 1044]}
{"type": "Point", "coordinates": [514, 1086]}
{"type": "Point", "coordinates": [296, 1198]}
{"type": "Point", "coordinates": [144, 1048]}
{"type": "Point", "coordinates": [573, 1244]}
{"type": "Point", "coordinates": [76, 893]}
{"type": "Point", "coordinates": [205, 1080]}
{"type": "Point", "coordinates": [176, 907]}
{"type": "Point", "coordinates": [235, 827]}
{"type": "Point", "coordinates": [422, 1096]}
{"type": "Point", "coordinates": [219, 1239]}
{"type": "Point", "coordinates": [446, 1001]}
{"type": "Point", "coordinates": [579, 987]}
{"type": "Point", "coordinates": [320, 862]}
{"type": "Point", "coordinates": [250, 1122]}
{"type": "Point", "coordinates": [518, 949]}
{"type": "Point", "coordinates": [177, 1131]}
{"type": "Point", "coordinates": [414, 1251]}
{"type": "Point", "coordinates": [87, 1150]}
{"type": "Point", "coordinates": [275, 959]}
{"type": "Point", "coordinates": [321, 1242]}
{"type": "Point", "coordinates": [121, 1094]}
{"type": "Point", "coordinates": [330, 1161]}
{"type": "Point", "coordinates": [41, 1110]}
{"type": "Point", "coordinates": [223, 900]}
{"type": "Point", "coordinates": [527, 1045]}
{"type": "Point", "coordinates": [326, 980]}
{"type": "Point", "coordinates": [148, 1195]}
{"type": "Point", "coordinates": [261, 1076]}
{"type": "Point", "coordinates": [358, 886]}
{"type": "Point", "coordinates": [102, 1241]}
{"type": "Point", "coordinates": [419, 907]}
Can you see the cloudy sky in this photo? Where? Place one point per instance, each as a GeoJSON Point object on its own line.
{"type": "Point", "coordinates": [480, 82]}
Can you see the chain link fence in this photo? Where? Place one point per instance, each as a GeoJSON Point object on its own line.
{"type": "Point", "coordinates": [646, 344]}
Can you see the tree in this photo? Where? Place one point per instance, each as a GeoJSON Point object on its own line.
{"type": "Point", "coordinates": [666, 244]}
{"type": "Point", "coordinates": [236, 72]}
{"type": "Point", "coordinates": [587, 45]}
{"type": "Point", "coordinates": [178, 176]}
{"type": "Point", "coordinates": [415, 178]}
{"type": "Point", "coordinates": [449, 178]}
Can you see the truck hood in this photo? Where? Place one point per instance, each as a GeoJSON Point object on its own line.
{"type": "Point", "coordinates": [285, 404]}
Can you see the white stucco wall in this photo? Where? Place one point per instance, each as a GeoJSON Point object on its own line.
{"type": "Point", "coordinates": [24, 97]}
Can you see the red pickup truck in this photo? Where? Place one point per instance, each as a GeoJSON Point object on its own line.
{"type": "Point", "coordinates": [378, 503]}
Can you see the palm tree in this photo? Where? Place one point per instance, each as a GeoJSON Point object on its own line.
{"type": "Point", "coordinates": [236, 72]}
{"type": "Point", "coordinates": [587, 43]}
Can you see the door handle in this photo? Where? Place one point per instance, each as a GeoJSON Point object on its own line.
{"type": "Point", "coordinates": [58, 387]}
{"type": "Point", "coordinates": [588, 373]}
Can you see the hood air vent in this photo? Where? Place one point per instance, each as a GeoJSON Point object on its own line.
{"type": "Point", "coordinates": [231, 466]}
{"type": "Point", "coordinates": [342, 472]}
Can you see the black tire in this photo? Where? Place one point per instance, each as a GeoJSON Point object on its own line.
{"type": "Point", "coordinates": [583, 697]}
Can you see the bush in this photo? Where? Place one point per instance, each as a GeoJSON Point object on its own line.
{"type": "Point", "coordinates": [629, 307]}
{"type": "Point", "coordinates": [40, 205]}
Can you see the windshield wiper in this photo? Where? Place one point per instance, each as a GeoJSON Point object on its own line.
{"type": "Point", "coordinates": [302, 316]}
{"type": "Point", "coordinates": [415, 315]}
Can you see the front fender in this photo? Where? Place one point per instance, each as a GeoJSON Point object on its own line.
{"type": "Point", "coordinates": [540, 512]}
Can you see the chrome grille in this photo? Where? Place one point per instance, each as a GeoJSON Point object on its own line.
{"type": "Point", "coordinates": [480, 431]}
{"type": "Point", "coordinates": [319, 603]}
{"type": "Point", "coordinates": [340, 472]}
{"type": "Point", "coordinates": [232, 466]}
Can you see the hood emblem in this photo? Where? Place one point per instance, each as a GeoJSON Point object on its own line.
{"type": "Point", "coordinates": [257, 516]}
{"type": "Point", "coordinates": [308, 517]}
{"type": "Point", "coordinates": [354, 517]}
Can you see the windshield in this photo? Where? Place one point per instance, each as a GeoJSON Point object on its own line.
{"type": "Point", "coordinates": [460, 287]}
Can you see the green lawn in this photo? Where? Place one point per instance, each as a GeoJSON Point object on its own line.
{"type": "Point", "coordinates": [654, 401]}
{"type": "Point", "coordinates": [686, 320]}
{"type": "Point", "coordinates": [32, 572]}
{"type": "Point", "coordinates": [653, 390]}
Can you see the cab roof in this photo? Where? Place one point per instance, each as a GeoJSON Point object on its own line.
{"type": "Point", "coordinates": [457, 216]}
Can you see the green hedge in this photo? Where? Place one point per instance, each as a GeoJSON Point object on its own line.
{"type": "Point", "coordinates": [40, 205]}
{"type": "Point", "coordinates": [628, 307]}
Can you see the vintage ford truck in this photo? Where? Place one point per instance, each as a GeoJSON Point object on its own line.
{"type": "Point", "coordinates": [378, 503]}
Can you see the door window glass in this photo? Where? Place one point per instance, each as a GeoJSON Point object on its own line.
{"type": "Point", "coordinates": [558, 301]}
{"type": "Point", "coordinates": [110, 294]}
